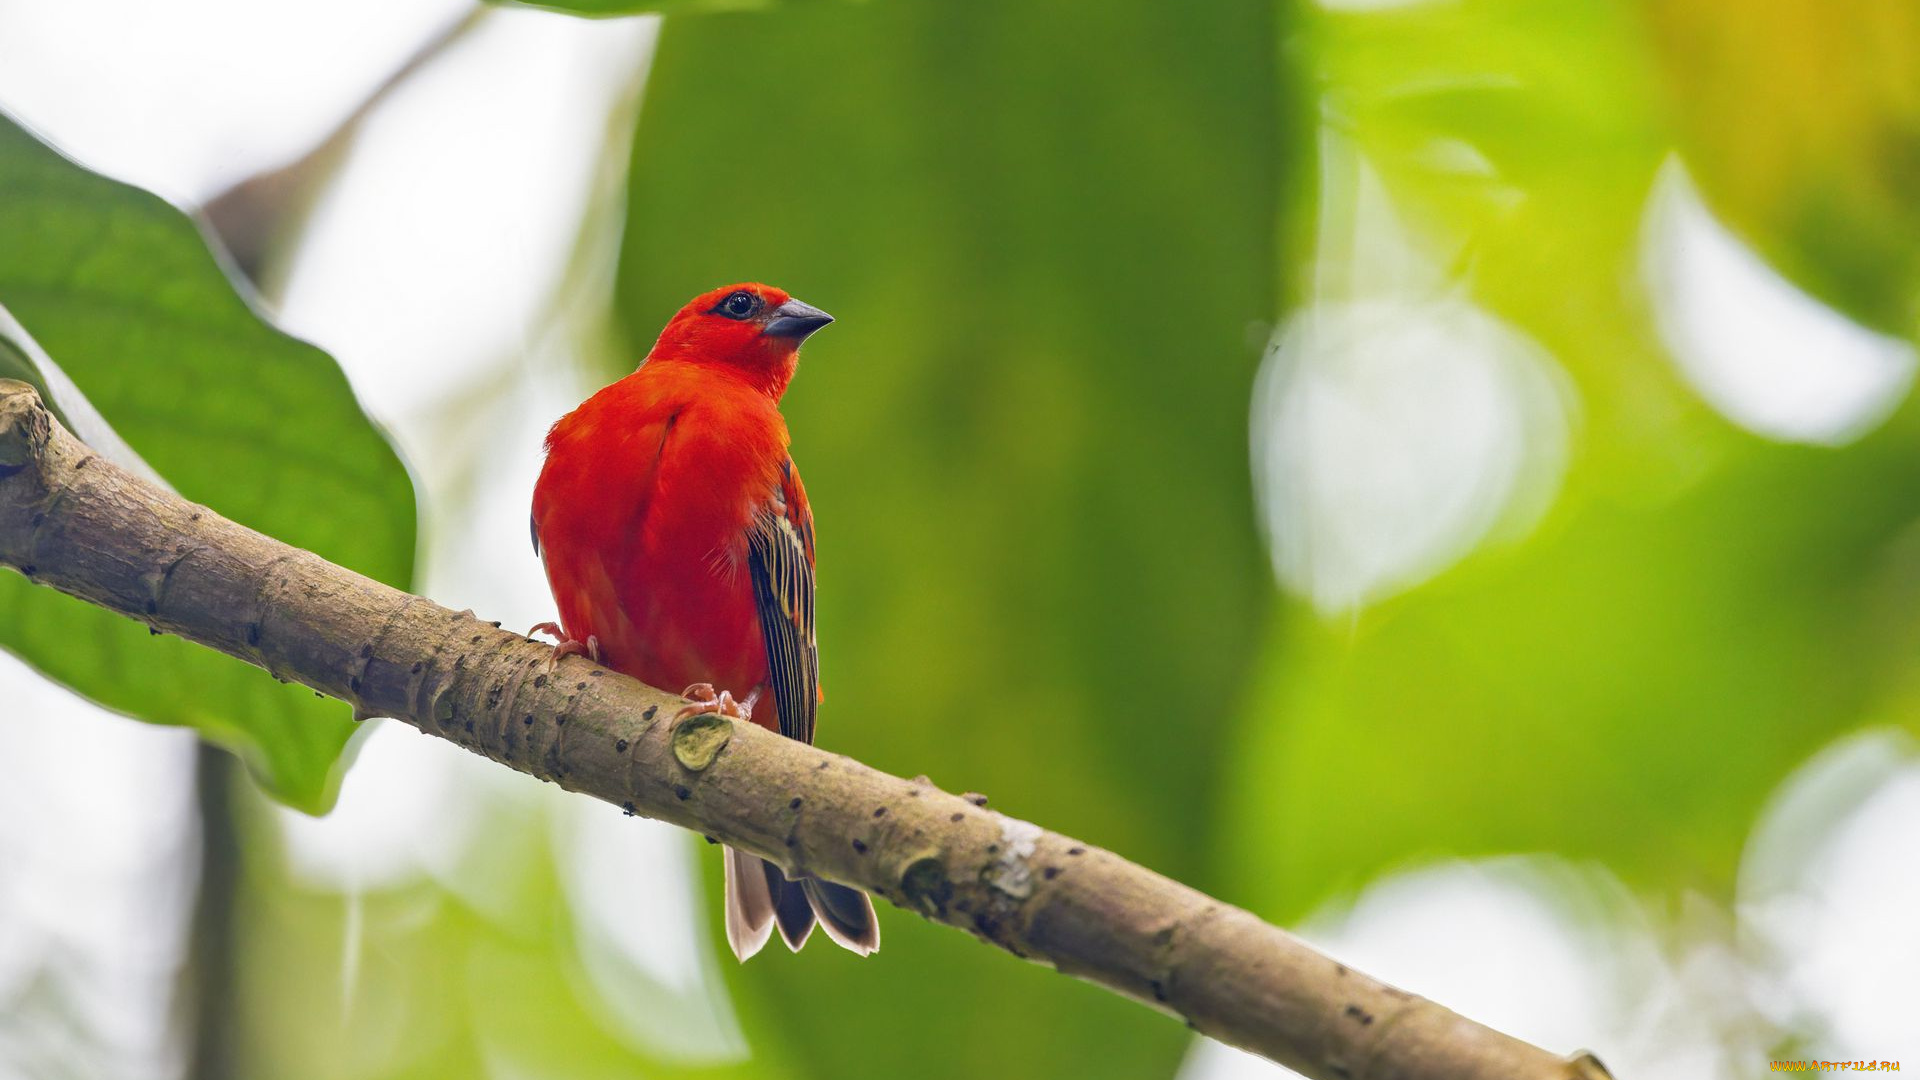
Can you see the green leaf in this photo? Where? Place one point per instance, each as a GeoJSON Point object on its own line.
{"type": "Point", "coordinates": [121, 290]}
{"type": "Point", "coordinates": [22, 358]}
{"type": "Point", "coordinates": [1049, 233]}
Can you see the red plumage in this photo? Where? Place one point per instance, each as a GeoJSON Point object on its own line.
{"type": "Point", "coordinates": [678, 541]}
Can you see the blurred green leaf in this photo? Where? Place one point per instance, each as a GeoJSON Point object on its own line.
{"type": "Point", "coordinates": [120, 289]}
{"type": "Point", "coordinates": [1700, 611]}
{"type": "Point", "coordinates": [1628, 687]}
{"type": "Point", "coordinates": [1049, 233]}
{"type": "Point", "coordinates": [481, 970]}
{"type": "Point", "coordinates": [1801, 123]}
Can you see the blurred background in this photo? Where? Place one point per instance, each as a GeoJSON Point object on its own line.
{"type": "Point", "coordinates": [1442, 475]}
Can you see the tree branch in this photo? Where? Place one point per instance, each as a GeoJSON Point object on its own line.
{"type": "Point", "coordinates": [74, 521]}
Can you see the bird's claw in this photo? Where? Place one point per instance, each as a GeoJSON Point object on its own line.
{"type": "Point", "coordinates": [704, 699]}
{"type": "Point", "coordinates": [567, 646]}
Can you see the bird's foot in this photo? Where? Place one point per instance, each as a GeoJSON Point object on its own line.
{"type": "Point", "coordinates": [704, 699]}
{"type": "Point", "coordinates": [567, 646]}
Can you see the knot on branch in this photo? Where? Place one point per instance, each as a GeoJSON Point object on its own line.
{"type": "Point", "coordinates": [24, 426]}
{"type": "Point", "coordinates": [1584, 1066]}
{"type": "Point", "coordinates": [926, 886]}
{"type": "Point", "coordinates": [699, 738]}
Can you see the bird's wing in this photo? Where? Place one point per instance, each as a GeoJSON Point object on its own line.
{"type": "Point", "coordinates": [780, 554]}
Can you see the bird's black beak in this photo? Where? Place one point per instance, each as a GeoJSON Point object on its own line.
{"type": "Point", "coordinates": [796, 320]}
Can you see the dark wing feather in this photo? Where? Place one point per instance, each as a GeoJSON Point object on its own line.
{"type": "Point", "coordinates": [780, 555]}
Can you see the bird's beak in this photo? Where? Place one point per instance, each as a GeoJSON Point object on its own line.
{"type": "Point", "coordinates": [796, 320]}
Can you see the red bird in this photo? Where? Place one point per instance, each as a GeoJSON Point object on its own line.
{"type": "Point", "coordinates": [679, 547]}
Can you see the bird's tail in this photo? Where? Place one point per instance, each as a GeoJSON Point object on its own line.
{"type": "Point", "coordinates": [760, 897]}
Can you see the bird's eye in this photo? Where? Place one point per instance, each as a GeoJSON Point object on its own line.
{"type": "Point", "coordinates": [739, 305]}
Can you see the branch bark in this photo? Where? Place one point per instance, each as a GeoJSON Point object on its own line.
{"type": "Point", "coordinates": [71, 520]}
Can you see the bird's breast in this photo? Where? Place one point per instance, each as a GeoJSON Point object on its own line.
{"type": "Point", "coordinates": [642, 515]}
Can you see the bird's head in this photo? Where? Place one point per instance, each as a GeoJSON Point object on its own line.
{"type": "Point", "coordinates": [753, 329]}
